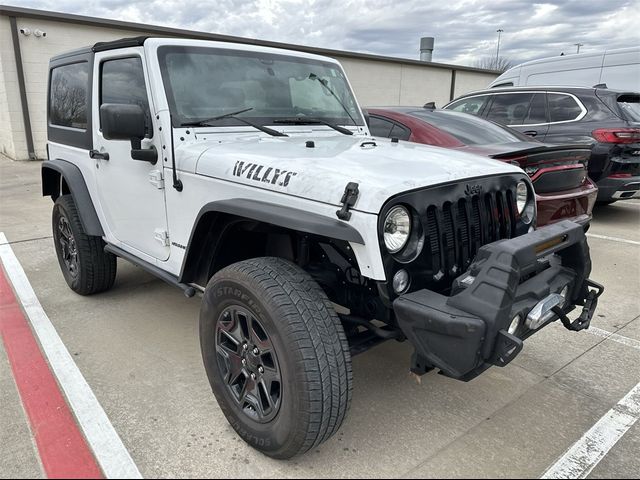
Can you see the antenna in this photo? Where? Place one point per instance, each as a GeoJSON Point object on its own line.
{"type": "Point", "coordinates": [177, 183]}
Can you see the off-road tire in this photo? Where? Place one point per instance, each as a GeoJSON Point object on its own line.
{"type": "Point", "coordinates": [93, 270]}
{"type": "Point", "coordinates": [310, 345]}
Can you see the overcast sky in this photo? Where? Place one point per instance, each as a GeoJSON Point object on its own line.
{"type": "Point", "coordinates": [465, 30]}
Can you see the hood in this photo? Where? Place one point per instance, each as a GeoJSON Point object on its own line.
{"type": "Point", "coordinates": [320, 172]}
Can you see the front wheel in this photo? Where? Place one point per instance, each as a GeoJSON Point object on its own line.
{"type": "Point", "coordinates": [276, 356]}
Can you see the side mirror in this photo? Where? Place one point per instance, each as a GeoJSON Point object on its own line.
{"type": "Point", "coordinates": [122, 121]}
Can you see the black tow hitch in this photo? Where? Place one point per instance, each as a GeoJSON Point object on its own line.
{"type": "Point", "coordinates": [590, 304]}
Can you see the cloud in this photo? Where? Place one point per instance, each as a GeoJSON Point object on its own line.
{"type": "Point", "coordinates": [465, 30]}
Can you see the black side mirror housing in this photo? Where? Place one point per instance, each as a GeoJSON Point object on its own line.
{"type": "Point", "coordinates": [122, 121]}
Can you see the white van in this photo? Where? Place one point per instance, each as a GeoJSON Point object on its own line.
{"type": "Point", "coordinates": [617, 68]}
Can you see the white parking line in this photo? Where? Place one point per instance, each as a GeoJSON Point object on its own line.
{"type": "Point", "coordinates": [586, 453]}
{"type": "Point", "coordinates": [613, 239]}
{"type": "Point", "coordinates": [111, 454]}
{"type": "Point", "coordinates": [629, 342]}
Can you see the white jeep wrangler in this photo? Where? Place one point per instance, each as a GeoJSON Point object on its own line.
{"type": "Point", "coordinates": [248, 175]}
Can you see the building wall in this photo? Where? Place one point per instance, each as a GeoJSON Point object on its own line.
{"type": "Point", "coordinates": [375, 82]}
{"type": "Point", "coordinates": [11, 124]}
{"type": "Point", "coordinates": [390, 84]}
{"type": "Point", "coordinates": [469, 81]}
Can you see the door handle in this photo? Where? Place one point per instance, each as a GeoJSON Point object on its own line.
{"type": "Point", "coordinates": [531, 133]}
{"type": "Point", "coordinates": [96, 154]}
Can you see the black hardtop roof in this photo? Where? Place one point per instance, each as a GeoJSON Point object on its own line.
{"type": "Point", "coordinates": [120, 43]}
{"type": "Point", "coordinates": [104, 46]}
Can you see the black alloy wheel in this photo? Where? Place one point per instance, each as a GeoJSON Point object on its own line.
{"type": "Point", "coordinates": [68, 247]}
{"type": "Point", "coordinates": [249, 365]}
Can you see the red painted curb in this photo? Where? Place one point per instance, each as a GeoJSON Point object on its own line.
{"type": "Point", "coordinates": [63, 450]}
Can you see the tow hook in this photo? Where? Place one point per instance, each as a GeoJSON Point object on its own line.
{"type": "Point", "coordinates": [590, 304]}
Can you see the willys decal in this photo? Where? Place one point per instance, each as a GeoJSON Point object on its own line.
{"type": "Point", "coordinates": [260, 173]}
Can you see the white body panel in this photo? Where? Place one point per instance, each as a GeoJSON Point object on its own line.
{"type": "Point", "coordinates": [619, 69]}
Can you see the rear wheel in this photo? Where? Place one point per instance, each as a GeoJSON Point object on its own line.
{"type": "Point", "coordinates": [86, 267]}
{"type": "Point", "coordinates": [276, 356]}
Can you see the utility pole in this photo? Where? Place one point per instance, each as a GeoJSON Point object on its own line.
{"type": "Point", "coordinates": [578, 45]}
{"type": "Point", "coordinates": [498, 48]}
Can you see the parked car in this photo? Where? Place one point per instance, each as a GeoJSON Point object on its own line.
{"type": "Point", "coordinates": [608, 119]}
{"type": "Point", "coordinates": [188, 159]}
{"type": "Point", "coordinates": [618, 68]}
{"type": "Point", "coordinates": [558, 172]}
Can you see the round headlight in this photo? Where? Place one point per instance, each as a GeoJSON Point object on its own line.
{"type": "Point", "coordinates": [397, 227]}
{"type": "Point", "coordinates": [522, 196]}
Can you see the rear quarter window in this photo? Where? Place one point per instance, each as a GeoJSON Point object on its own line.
{"type": "Point", "coordinates": [563, 108]}
{"type": "Point", "coordinates": [68, 96]}
{"type": "Point", "coordinates": [69, 100]}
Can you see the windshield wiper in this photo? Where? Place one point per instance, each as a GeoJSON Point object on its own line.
{"type": "Point", "coordinates": [207, 123]}
{"type": "Point", "coordinates": [323, 82]}
{"type": "Point", "coordinates": [313, 121]}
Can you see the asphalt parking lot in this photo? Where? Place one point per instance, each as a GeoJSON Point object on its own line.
{"type": "Point", "coordinates": [137, 346]}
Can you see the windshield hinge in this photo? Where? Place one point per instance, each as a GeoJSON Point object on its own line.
{"type": "Point", "coordinates": [161, 236]}
{"type": "Point", "coordinates": [349, 198]}
{"type": "Point", "coordinates": [155, 178]}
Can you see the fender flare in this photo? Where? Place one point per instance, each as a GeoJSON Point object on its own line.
{"type": "Point", "coordinates": [52, 170]}
{"type": "Point", "coordinates": [273, 214]}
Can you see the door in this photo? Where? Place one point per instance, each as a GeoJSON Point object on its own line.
{"type": "Point", "coordinates": [522, 111]}
{"type": "Point", "coordinates": [131, 192]}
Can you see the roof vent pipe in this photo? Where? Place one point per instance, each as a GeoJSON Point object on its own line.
{"type": "Point", "coordinates": [426, 48]}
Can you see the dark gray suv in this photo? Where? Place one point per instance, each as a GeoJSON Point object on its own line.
{"type": "Point", "coordinates": [608, 119]}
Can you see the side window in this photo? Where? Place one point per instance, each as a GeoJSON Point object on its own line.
{"type": "Point", "coordinates": [510, 108]}
{"type": "Point", "coordinates": [122, 81]}
{"type": "Point", "coordinates": [68, 96]}
{"type": "Point", "coordinates": [562, 108]}
{"type": "Point", "coordinates": [471, 105]}
{"type": "Point", "coordinates": [400, 132]}
{"type": "Point", "coordinates": [537, 110]}
{"type": "Point", "coordinates": [379, 127]}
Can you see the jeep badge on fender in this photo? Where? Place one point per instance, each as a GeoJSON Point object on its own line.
{"type": "Point", "coordinates": [204, 178]}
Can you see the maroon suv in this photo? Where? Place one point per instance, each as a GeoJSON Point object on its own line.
{"type": "Point", "coordinates": [558, 172]}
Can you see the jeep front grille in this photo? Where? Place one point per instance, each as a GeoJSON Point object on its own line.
{"type": "Point", "coordinates": [455, 219]}
{"type": "Point", "coordinates": [457, 229]}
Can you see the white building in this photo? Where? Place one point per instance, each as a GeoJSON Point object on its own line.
{"type": "Point", "coordinates": [28, 38]}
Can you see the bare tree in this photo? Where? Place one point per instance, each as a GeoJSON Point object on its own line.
{"type": "Point", "coordinates": [69, 104]}
{"type": "Point", "coordinates": [499, 64]}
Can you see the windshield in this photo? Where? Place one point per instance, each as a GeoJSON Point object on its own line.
{"type": "Point", "coordinates": [469, 129]}
{"type": "Point", "coordinates": [630, 106]}
{"type": "Point", "coordinates": [203, 82]}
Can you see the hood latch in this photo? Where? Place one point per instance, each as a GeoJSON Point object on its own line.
{"type": "Point", "coordinates": [349, 198]}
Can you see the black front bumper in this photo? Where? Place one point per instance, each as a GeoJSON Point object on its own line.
{"type": "Point", "coordinates": [467, 332]}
